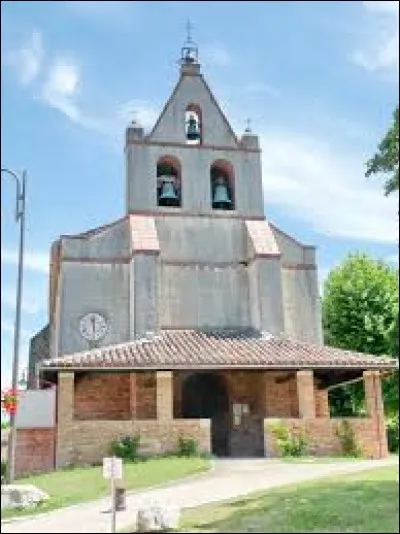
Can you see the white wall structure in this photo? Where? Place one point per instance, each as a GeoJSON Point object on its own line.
{"type": "Point", "coordinates": [36, 409]}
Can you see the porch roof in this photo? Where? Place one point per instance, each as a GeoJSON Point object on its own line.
{"type": "Point", "coordinates": [192, 349]}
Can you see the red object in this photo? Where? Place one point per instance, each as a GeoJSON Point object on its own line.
{"type": "Point", "coordinates": [9, 400]}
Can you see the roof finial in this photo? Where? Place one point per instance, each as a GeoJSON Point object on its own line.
{"type": "Point", "coordinates": [248, 126]}
{"type": "Point", "coordinates": [189, 50]}
{"type": "Point", "coordinates": [189, 28]}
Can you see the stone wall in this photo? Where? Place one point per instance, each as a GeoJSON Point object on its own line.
{"type": "Point", "coordinates": [323, 441]}
{"type": "Point", "coordinates": [34, 451]}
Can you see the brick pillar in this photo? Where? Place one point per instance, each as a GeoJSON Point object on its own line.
{"type": "Point", "coordinates": [164, 396]}
{"type": "Point", "coordinates": [322, 403]}
{"type": "Point", "coordinates": [65, 416]}
{"type": "Point", "coordinates": [305, 393]}
{"type": "Point", "coordinates": [374, 407]}
{"type": "Point", "coordinates": [133, 390]}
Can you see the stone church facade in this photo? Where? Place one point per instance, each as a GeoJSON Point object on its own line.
{"type": "Point", "coordinates": [193, 315]}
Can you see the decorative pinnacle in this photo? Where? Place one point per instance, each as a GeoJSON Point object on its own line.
{"type": "Point", "coordinates": [248, 126]}
{"type": "Point", "coordinates": [189, 28]}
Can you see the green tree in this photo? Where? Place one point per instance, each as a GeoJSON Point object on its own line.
{"type": "Point", "coordinates": [386, 159]}
{"type": "Point", "coordinates": [360, 313]}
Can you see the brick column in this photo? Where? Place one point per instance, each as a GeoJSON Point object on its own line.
{"type": "Point", "coordinates": [322, 403]}
{"type": "Point", "coordinates": [65, 416]}
{"type": "Point", "coordinates": [133, 389]}
{"type": "Point", "coordinates": [305, 393]}
{"type": "Point", "coordinates": [164, 396]}
{"type": "Point", "coordinates": [374, 408]}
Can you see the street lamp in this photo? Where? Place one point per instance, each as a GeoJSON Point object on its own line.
{"type": "Point", "coordinates": [19, 216]}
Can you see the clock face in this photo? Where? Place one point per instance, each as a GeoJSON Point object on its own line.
{"type": "Point", "coordinates": [93, 326]}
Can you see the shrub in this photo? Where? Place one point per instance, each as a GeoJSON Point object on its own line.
{"type": "Point", "coordinates": [392, 428]}
{"type": "Point", "coordinates": [3, 470]}
{"type": "Point", "coordinates": [126, 448]}
{"type": "Point", "coordinates": [188, 447]}
{"type": "Point", "coordinates": [348, 440]}
{"type": "Point", "coordinates": [288, 443]}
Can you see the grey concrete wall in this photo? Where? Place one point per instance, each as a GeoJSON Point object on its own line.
{"type": "Point", "coordinates": [202, 239]}
{"type": "Point", "coordinates": [301, 304]}
{"type": "Point", "coordinates": [292, 251]}
{"type": "Point", "coordinates": [111, 242]}
{"type": "Point", "coordinates": [204, 297]}
{"type": "Point", "coordinates": [192, 90]}
{"type": "Point", "coordinates": [141, 161]}
{"type": "Point", "coordinates": [144, 299]}
{"type": "Point", "coordinates": [87, 287]}
{"type": "Point", "coordinates": [265, 289]}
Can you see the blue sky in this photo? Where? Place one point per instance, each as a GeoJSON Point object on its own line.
{"type": "Point", "coordinates": [319, 81]}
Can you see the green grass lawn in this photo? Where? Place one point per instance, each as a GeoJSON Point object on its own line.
{"type": "Point", "coordinates": [360, 502]}
{"type": "Point", "coordinates": [71, 486]}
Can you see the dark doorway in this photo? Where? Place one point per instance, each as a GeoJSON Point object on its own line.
{"type": "Point", "coordinates": [205, 396]}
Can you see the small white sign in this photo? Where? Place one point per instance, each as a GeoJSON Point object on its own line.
{"type": "Point", "coordinates": [112, 468]}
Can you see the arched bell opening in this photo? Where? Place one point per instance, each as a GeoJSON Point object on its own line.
{"type": "Point", "coordinates": [205, 395]}
{"type": "Point", "coordinates": [169, 184]}
{"type": "Point", "coordinates": [222, 185]}
{"type": "Point", "coordinates": [193, 124]}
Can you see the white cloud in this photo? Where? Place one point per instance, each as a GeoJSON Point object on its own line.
{"type": "Point", "coordinates": [34, 261]}
{"type": "Point", "coordinates": [216, 56]}
{"type": "Point", "coordinates": [379, 49]}
{"type": "Point", "coordinates": [329, 192]}
{"type": "Point", "coordinates": [60, 88]}
{"type": "Point", "coordinates": [27, 60]}
{"type": "Point", "coordinates": [142, 111]}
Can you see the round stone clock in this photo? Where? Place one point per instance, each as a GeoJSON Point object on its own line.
{"type": "Point", "coordinates": [93, 326]}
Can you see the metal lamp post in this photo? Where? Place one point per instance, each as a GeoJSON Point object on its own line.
{"type": "Point", "coordinates": [19, 216]}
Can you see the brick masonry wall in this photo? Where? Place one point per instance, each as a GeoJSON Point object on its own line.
{"type": "Point", "coordinates": [86, 442]}
{"type": "Point", "coordinates": [34, 451]}
{"type": "Point", "coordinates": [102, 396]}
{"type": "Point", "coordinates": [115, 396]}
{"type": "Point", "coordinates": [323, 440]}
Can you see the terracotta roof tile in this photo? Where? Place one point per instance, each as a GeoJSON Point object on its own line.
{"type": "Point", "coordinates": [218, 349]}
{"type": "Point", "coordinates": [144, 234]}
{"type": "Point", "coordinates": [262, 238]}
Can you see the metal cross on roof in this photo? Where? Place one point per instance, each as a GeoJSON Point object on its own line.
{"type": "Point", "coordinates": [189, 28]}
{"type": "Point", "coordinates": [248, 126]}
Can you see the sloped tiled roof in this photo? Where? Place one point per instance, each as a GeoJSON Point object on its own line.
{"type": "Point", "coordinates": [191, 349]}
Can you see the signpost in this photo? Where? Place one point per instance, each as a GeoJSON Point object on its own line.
{"type": "Point", "coordinates": [112, 470]}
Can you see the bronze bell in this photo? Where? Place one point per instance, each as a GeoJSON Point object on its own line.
{"type": "Point", "coordinates": [168, 195]}
{"type": "Point", "coordinates": [193, 133]}
{"type": "Point", "coordinates": [221, 198]}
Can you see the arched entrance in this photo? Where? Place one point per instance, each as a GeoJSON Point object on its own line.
{"type": "Point", "coordinates": [205, 395]}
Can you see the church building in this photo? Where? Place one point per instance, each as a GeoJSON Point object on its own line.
{"type": "Point", "coordinates": [193, 316]}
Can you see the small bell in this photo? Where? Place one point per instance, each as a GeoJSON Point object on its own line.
{"type": "Point", "coordinates": [193, 133]}
{"type": "Point", "coordinates": [168, 196]}
{"type": "Point", "coordinates": [221, 198]}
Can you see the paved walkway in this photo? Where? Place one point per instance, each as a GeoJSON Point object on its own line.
{"type": "Point", "coordinates": [230, 478]}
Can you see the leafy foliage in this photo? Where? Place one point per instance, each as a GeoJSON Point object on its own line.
{"type": "Point", "coordinates": [126, 448]}
{"type": "Point", "coordinates": [347, 439]}
{"type": "Point", "coordinates": [392, 427]}
{"type": "Point", "coordinates": [386, 159]}
{"type": "Point", "coordinates": [288, 443]}
{"type": "Point", "coordinates": [188, 447]}
{"type": "Point", "coordinates": [3, 470]}
{"type": "Point", "coordinates": [360, 313]}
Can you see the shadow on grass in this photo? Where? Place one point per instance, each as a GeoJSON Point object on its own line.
{"type": "Point", "coordinates": [331, 506]}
